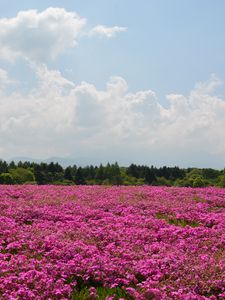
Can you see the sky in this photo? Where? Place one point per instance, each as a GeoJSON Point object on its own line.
{"type": "Point", "coordinates": [126, 81]}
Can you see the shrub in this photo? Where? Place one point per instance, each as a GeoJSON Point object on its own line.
{"type": "Point", "coordinates": [6, 178]}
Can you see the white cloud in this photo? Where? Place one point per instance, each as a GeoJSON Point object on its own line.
{"type": "Point", "coordinates": [104, 31]}
{"type": "Point", "coordinates": [43, 36]}
{"type": "Point", "coordinates": [39, 36]}
{"type": "Point", "coordinates": [59, 118]}
{"type": "Point", "coordinates": [4, 78]}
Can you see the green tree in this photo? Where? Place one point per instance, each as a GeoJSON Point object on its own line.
{"type": "Point", "coordinates": [210, 173]}
{"type": "Point", "coordinates": [79, 178]}
{"type": "Point", "coordinates": [91, 173]}
{"type": "Point", "coordinates": [162, 181]}
{"type": "Point", "coordinates": [132, 170]}
{"type": "Point", "coordinates": [100, 174]}
{"type": "Point", "coordinates": [149, 176]}
{"type": "Point", "coordinates": [12, 165]}
{"type": "Point", "coordinates": [68, 174]}
{"type": "Point", "coordinates": [21, 175]}
{"type": "Point", "coordinates": [39, 176]}
{"type": "Point", "coordinates": [198, 182]}
{"type": "Point", "coordinates": [6, 178]}
{"type": "Point", "coordinates": [3, 166]}
{"type": "Point", "coordinates": [116, 174]}
{"type": "Point", "coordinates": [222, 181]}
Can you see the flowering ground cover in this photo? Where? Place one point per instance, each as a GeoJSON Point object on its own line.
{"type": "Point", "coordinates": [95, 242]}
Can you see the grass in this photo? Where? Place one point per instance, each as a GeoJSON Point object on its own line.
{"type": "Point", "coordinates": [102, 293]}
{"type": "Point", "coordinates": [170, 219]}
{"type": "Point", "coordinates": [81, 290]}
{"type": "Point", "coordinates": [199, 199]}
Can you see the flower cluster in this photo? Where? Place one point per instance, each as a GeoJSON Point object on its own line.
{"type": "Point", "coordinates": [148, 242]}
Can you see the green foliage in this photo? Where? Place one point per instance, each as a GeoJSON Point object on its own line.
{"type": "Point", "coordinates": [129, 180]}
{"type": "Point", "coordinates": [100, 175]}
{"type": "Point", "coordinates": [162, 181]}
{"type": "Point", "coordinates": [193, 178]}
{"type": "Point", "coordinates": [79, 177]}
{"type": "Point", "coordinates": [39, 175]}
{"type": "Point", "coordinates": [3, 166]}
{"type": "Point", "coordinates": [22, 175]}
{"type": "Point", "coordinates": [210, 173]}
{"type": "Point", "coordinates": [182, 182]}
{"type": "Point", "coordinates": [102, 293]}
{"type": "Point", "coordinates": [6, 178]}
{"type": "Point", "coordinates": [63, 182]}
{"type": "Point", "coordinates": [150, 176]}
{"type": "Point", "coordinates": [198, 182]}
{"type": "Point", "coordinates": [221, 181]}
{"type": "Point", "coordinates": [194, 173]}
{"type": "Point", "coordinates": [172, 220]}
{"type": "Point", "coordinates": [111, 174]}
{"type": "Point", "coordinates": [91, 182]}
{"type": "Point", "coordinates": [68, 174]}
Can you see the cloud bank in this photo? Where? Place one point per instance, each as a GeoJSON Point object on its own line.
{"type": "Point", "coordinates": [59, 118]}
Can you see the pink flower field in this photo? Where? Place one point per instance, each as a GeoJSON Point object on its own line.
{"type": "Point", "coordinates": [95, 242]}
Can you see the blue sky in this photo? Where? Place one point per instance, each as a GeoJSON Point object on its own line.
{"type": "Point", "coordinates": [170, 45]}
{"type": "Point", "coordinates": [168, 63]}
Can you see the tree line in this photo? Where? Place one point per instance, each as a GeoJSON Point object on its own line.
{"type": "Point", "coordinates": [110, 174]}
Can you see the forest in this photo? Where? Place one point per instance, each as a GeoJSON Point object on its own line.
{"type": "Point", "coordinates": [110, 174]}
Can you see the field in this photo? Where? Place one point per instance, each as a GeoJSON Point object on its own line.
{"type": "Point", "coordinates": [95, 242]}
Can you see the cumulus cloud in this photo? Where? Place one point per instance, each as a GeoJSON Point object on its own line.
{"type": "Point", "coordinates": [42, 36]}
{"type": "Point", "coordinates": [39, 36]}
{"type": "Point", "coordinates": [59, 118]}
{"type": "Point", "coordinates": [104, 31]}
